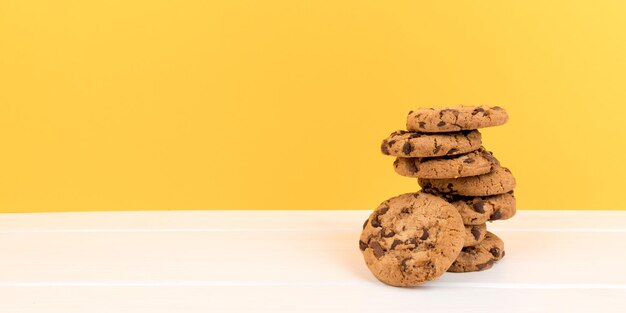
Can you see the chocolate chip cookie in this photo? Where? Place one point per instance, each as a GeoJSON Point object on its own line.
{"type": "Point", "coordinates": [406, 144]}
{"type": "Point", "coordinates": [411, 239]}
{"type": "Point", "coordinates": [498, 181]}
{"type": "Point", "coordinates": [479, 257]}
{"type": "Point", "coordinates": [478, 210]}
{"type": "Point", "coordinates": [473, 163]}
{"type": "Point", "coordinates": [437, 120]}
{"type": "Point", "coordinates": [474, 234]}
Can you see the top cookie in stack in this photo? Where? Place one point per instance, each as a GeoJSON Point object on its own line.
{"type": "Point", "coordinates": [451, 119]}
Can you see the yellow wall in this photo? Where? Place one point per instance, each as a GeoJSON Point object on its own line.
{"type": "Point", "coordinates": [133, 105]}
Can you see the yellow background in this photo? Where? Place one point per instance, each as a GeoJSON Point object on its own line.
{"type": "Point", "coordinates": [133, 105]}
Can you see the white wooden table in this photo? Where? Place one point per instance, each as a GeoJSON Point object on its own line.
{"type": "Point", "coordinates": [293, 261]}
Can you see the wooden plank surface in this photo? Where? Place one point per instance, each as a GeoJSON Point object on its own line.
{"type": "Point", "coordinates": [251, 261]}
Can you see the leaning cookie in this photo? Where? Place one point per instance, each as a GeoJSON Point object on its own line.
{"type": "Point", "coordinates": [410, 144]}
{"type": "Point", "coordinates": [479, 257]}
{"type": "Point", "coordinates": [473, 163]}
{"type": "Point", "coordinates": [474, 234]}
{"type": "Point", "coordinates": [498, 181]}
{"type": "Point", "coordinates": [437, 120]}
{"type": "Point", "coordinates": [478, 210]}
{"type": "Point", "coordinates": [411, 239]}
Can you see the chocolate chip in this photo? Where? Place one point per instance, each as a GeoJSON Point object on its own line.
{"type": "Point", "coordinates": [407, 148]}
{"type": "Point", "coordinates": [403, 265]}
{"type": "Point", "coordinates": [442, 112]}
{"type": "Point", "coordinates": [477, 110]}
{"type": "Point", "coordinates": [378, 250]}
{"type": "Point", "coordinates": [384, 149]}
{"type": "Point", "coordinates": [425, 234]}
{"type": "Point", "coordinates": [476, 232]}
{"type": "Point", "coordinates": [411, 241]}
{"type": "Point", "coordinates": [379, 212]}
{"type": "Point", "coordinates": [399, 132]}
{"type": "Point", "coordinates": [489, 156]}
{"type": "Point", "coordinates": [410, 112]}
{"type": "Point", "coordinates": [437, 148]}
{"type": "Point", "coordinates": [362, 245]}
{"type": "Point", "coordinates": [391, 233]}
{"type": "Point", "coordinates": [415, 135]}
{"type": "Point", "coordinates": [365, 224]}
{"type": "Point", "coordinates": [453, 150]}
{"type": "Point", "coordinates": [441, 124]}
{"type": "Point", "coordinates": [375, 222]}
{"type": "Point", "coordinates": [395, 243]}
{"type": "Point", "coordinates": [495, 252]}
{"type": "Point", "coordinates": [391, 142]}
{"type": "Point", "coordinates": [412, 167]}
{"type": "Point", "coordinates": [497, 108]}
{"type": "Point", "coordinates": [406, 210]}
{"type": "Point", "coordinates": [485, 265]}
{"type": "Point", "coordinates": [450, 187]}
{"type": "Point", "coordinates": [468, 160]}
{"type": "Point", "coordinates": [422, 124]}
{"type": "Point", "coordinates": [479, 207]}
{"type": "Point", "coordinates": [496, 215]}
{"type": "Point", "coordinates": [470, 250]}
{"type": "Point", "coordinates": [453, 111]}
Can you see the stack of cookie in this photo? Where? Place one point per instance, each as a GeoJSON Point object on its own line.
{"type": "Point", "coordinates": [416, 237]}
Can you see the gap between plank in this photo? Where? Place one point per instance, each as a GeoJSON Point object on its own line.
{"type": "Point", "coordinates": [278, 230]}
{"type": "Point", "coordinates": [300, 283]}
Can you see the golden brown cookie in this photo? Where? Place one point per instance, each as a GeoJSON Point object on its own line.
{"type": "Point", "coordinates": [473, 163]}
{"type": "Point", "coordinates": [498, 181]}
{"type": "Point", "coordinates": [406, 144]}
{"type": "Point", "coordinates": [411, 239]}
{"type": "Point", "coordinates": [478, 210]}
{"type": "Point", "coordinates": [479, 257]}
{"type": "Point", "coordinates": [449, 119]}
